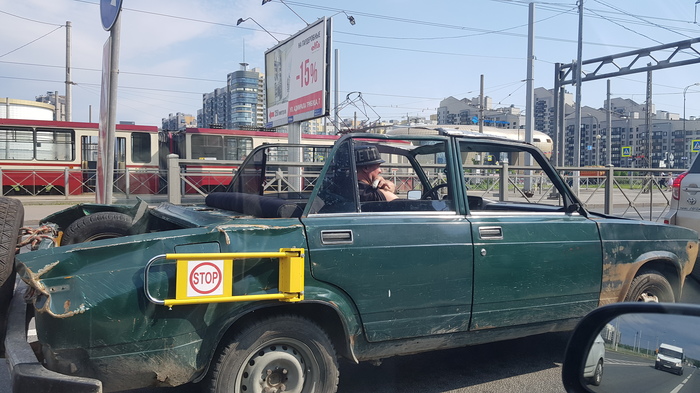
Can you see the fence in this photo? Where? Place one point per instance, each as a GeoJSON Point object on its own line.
{"type": "Point", "coordinates": [643, 193]}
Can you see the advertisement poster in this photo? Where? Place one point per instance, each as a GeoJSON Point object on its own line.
{"type": "Point", "coordinates": [296, 76]}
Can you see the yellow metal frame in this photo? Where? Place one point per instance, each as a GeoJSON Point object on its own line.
{"type": "Point", "coordinates": [291, 277]}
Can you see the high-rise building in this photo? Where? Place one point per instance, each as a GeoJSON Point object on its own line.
{"type": "Point", "coordinates": [240, 104]}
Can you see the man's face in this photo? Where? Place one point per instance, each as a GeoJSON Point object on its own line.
{"type": "Point", "coordinates": [373, 170]}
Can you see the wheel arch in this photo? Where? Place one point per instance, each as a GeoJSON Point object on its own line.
{"type": "Point", "coordinates": [670, 269]}
{"type": "Point", "coordinates": [326, 315]}
{"type": "Point", "coordinates": [665, 263]}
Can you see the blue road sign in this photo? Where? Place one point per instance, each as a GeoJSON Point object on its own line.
{"type": "Point", "coordinates": [109, 11]}
{"type": "Point", "coordinates": [696, 145]}
{"type": "Point", "coordinates": [627, 151]}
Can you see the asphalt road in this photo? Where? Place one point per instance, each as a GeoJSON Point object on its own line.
{"type": "Point", "coordinates": [627, 373]}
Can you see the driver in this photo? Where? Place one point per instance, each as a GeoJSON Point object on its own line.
{"type": "Point", "coordinates": [372, 186]}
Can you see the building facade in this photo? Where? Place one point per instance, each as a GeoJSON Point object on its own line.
{"type": "Point", "coordinates": [671, 142]}
{"type": "Point", "coordinates": [466, 111]}
{"type": "Point", "coordinates": [178, 122]}
{"type": "Point", "coordinates": [241, 104]}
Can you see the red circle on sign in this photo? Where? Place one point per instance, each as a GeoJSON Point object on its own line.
{"type": "Point", "coordinates": [202, 274]}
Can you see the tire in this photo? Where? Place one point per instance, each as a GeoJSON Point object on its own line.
{"type": "Point", "coordinates": [12, 213]}
{"type": "Point", "coordinates": [97, 226]}
{"type": "Point", "coordinates": [597, 374]}
{"type": "Point", "coordinates": [650, 287]}
{"type": "Point", "coordinates": [286, 353]}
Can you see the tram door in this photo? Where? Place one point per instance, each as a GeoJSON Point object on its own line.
{"type": "Point", "coordinates": [89, 149]}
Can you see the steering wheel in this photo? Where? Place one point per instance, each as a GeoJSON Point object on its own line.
{"type": "Point", "coordinates": [433, 192]}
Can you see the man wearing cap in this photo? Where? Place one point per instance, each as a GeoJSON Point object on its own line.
{"type": "Point", "coordinates": [372, 186]}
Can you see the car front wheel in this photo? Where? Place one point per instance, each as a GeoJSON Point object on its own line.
{"type": "Point", "coordinates": [650, 287]}
{"type": "Point", "coordinates": [274, 355]}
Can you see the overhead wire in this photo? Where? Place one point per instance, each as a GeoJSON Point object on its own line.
{"type": "Point", "coordinates": [30, 42]}
{"type": "Point", "coordinates": [552, 6]}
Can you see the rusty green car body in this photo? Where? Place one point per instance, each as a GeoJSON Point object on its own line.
{"type": "Point", "coordinates": [471, 259]}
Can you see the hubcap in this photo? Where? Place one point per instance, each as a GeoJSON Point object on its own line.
{"type": "Point", "coordinates": [274, 369]}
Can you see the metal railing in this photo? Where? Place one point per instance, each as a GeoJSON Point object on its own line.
{"type": "Point", "coordinates": [641, 192]}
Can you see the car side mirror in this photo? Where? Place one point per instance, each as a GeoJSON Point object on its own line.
{"type": "Point", "coordinates": [414, 195]}
{"type": "Point", "coordinates": [626, 347]}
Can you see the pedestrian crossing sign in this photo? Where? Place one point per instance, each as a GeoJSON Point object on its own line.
{"type": "Point", "coordinates": [695, 147]}
{"type": "Point", "coordinates": [627, 151]}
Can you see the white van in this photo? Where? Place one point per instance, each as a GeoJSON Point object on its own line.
{"type": "Point", "coordinates": [670, 358]}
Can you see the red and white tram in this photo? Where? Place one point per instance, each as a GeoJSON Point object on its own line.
{"type": "Point", "coordinates": [44, 157]}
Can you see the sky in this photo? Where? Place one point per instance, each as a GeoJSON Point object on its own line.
{"type": "Point", "coordinates": [402, 56]}
{"type": "Point", "coordinates": [678, 330]}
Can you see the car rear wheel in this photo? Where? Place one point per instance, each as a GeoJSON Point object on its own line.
{"type": "Point", "coordinates": [12, 213]}
{"type": "Point", "coordinates": [597, 374]}
{"type": "Point", "coordinates": [97, 226]}
{"type": "Point", "coordinates": [650, 287]}
{"type": "Point", "coordinates": [274, 355]}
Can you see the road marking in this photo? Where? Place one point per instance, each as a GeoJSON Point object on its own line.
{"type": "Point", "coordinates": [680, 386]}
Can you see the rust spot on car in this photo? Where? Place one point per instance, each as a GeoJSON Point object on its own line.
{"type": "Point", "coordinates": [66, 305]}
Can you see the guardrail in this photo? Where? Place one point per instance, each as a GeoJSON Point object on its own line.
{"type": "Point", "coordinates": [638, 191]}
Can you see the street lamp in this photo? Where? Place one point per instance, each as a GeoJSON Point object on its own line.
{"type": "Point", "coordinates": [352, 18]}
{"type": "Point", "coordinates": [241, 20]}
{"type": "Point", "coordinates": [685, 91]}
{"type": "Point", "coordinates": [290, 8]}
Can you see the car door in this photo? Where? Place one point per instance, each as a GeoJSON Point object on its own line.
{"type": "Point", "coordinates": [533, 261]}
{"type": "Point", "coordinates": [408, 271]}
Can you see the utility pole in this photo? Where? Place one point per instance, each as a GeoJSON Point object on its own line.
{"type": "Point", "coordinates": [529, 107]}
{"type": "Point", "coordinates": [577, 75]}
{"type": "Point", "coordinates": [69, 83]}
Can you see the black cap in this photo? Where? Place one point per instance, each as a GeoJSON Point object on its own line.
{"type": "Point", "coordinates": [367, 155]}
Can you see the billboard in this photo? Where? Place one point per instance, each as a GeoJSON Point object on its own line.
{"type": "Point", "coordinates": [296, 76]}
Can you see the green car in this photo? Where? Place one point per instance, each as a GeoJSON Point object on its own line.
{"type": "Point", "coordinates": [377, 246]}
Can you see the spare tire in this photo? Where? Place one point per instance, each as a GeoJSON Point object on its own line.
{"type": "Point", "coordinates": [97, 226]}
{"type": "Point", "coordinates": [12, 213]}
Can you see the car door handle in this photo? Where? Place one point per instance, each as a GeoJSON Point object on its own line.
{"type": "Point", "coordinates": [490, 233]}
{"type": "Point", "coordinates": [342, 236]}
{"type": "Point", "coordinates": [692, 188]}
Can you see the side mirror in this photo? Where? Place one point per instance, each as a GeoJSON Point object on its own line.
{"type": "Point", "coordinates": [414, 195]}
{"type": "Point", "coordinates": [627, 347]}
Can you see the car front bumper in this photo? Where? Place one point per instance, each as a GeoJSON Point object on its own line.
{"type": "Point", "coordinates": [28, 374]}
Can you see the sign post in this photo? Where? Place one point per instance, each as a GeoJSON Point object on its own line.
{"type": "Point", "coordinates": [111, 21]}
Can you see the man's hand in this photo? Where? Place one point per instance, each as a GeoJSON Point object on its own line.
{"type": "Point", "coordinates": [386, 185]}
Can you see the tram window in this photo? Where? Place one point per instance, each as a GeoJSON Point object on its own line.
{"type": "Point", "coordinates": [16, 144]}
{"type": "Point", "coordinates": [237, 148]}
{"type": "Point", "coordinates": [55, 145]}
{"type": "Point", "coordinates": [120, 153]}
{"type": "Point", "coordinates": [207, 147]}
{"type": "Point", "coordinates": [140, 147]}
